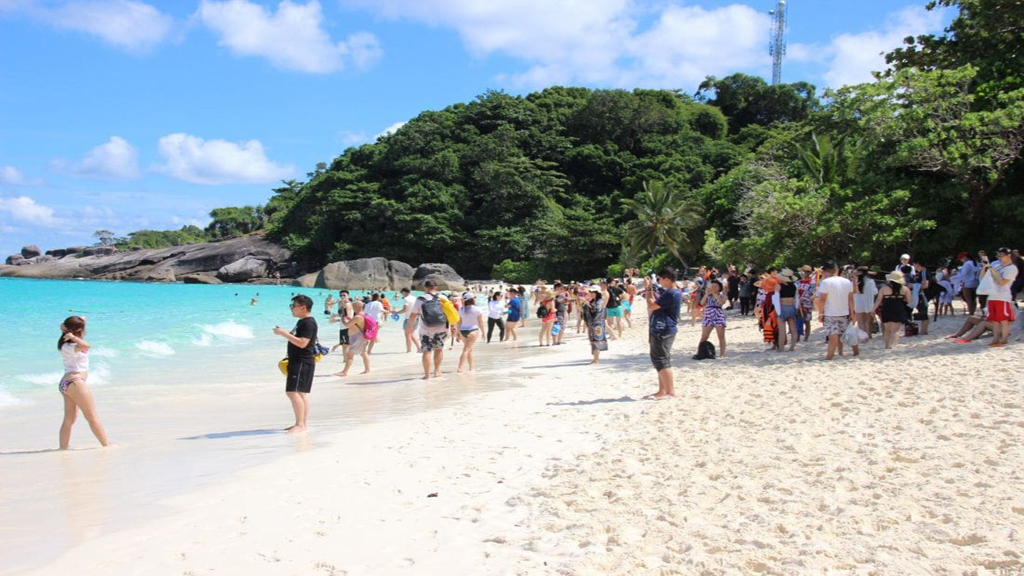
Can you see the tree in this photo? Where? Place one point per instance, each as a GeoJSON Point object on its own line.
{"type": "Point", "coordinates": [824, 161]}
{"type": "Point", "coordinates": [665, 218]}
{"type": "Point", "coordinates": [106, 237]}
{"type": "Point", "coordinates": [748, 100]}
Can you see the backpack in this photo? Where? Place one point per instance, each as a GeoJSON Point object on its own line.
{"type": "Point", "coordinates": [431, 312]}
{"type": "Point", "coordinates": [705, 351]}
{"type": "Point", "coordinates": [911, 329]}
{"type": "Point", "coordinates": [542, 311]}
{"type": "Point", "coordinates": [370, 327]}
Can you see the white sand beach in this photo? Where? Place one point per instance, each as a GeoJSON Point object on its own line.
{"type": "Point", "coordinates": [902, 462]}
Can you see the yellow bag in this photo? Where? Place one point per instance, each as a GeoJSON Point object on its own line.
{"type": "Point", "coordinates": [283, 364]}
{"type": "Point", "coordinates": [450, 312]}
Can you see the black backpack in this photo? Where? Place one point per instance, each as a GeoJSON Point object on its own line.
{"type": "Point", "coordinates": [432, 313]}
{"type": "Point", "coordinates": [705, 351]}
{"type": "Point", "coordinates": [542, 311]}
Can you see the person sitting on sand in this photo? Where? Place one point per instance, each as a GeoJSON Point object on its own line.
{"type": "Point", "coordinates": [74, 351]}
{"type": "Point", "coordinates": [364, 329]}
{"type": "Point", "coordinates": [469, 330]}
{"type": "Point", "coordinates": [663, 307]}
{"type": "Point", "coordinates": [594, 316]}
{"type": "Point", "coordinates": [301, 360]}
{"type": "Point", "coordinates": [1000, 312]}
{"type": "Point", "coordinates": [433, 328]}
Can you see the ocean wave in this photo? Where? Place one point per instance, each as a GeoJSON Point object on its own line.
{"type": "Point", "coordinates": [225, 331]}
{"type": "Point", "coordinates": [41, 379]}
{"type": "Point", "coordinates": [155, 348]}
{"type": "Point", "coordinates": [103, 352]}
{"type": "Point", "coordinates": [8, 400]}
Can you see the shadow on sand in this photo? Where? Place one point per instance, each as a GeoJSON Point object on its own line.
{"type": "Point", "coordinates": [233, 434]}
{"type": "Point", "coordinates": [592, 402]}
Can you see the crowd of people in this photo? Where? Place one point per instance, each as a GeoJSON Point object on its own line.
{"type": "Point", "coordinates": [851, 303]}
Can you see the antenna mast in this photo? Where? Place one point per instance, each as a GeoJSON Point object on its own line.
{"type": "Point", "coordinates": [777, 44]}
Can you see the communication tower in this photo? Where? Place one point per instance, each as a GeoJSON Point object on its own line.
{"type": "Point", "coordinates": [777, 44]}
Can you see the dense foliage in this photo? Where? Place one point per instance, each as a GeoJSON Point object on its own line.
{"type": "Point", "coordinates": [574, 182]}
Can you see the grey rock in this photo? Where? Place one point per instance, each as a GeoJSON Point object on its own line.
{"type": "Point", "coordinates": [307, 280]}
{"type": "Point", "coordinates": [215, 255]}
{"type": "Point", "coordinates": [100, 251]}
{"type": "Point", "coordinates": [70, 250]}
{"type": "Point", "coordinates": [200, 279]}
{"type": "Point", "coordinates": [58, 253]}
{"type": "Point", "coordinates": [443, 274]}
{"type": "Point", "coordinates": [244, 269]}
{"type": "Point", "coordinates": [15, 260]}
{"type": "Point", "coordinates": [362, 274]}
{"type": "Point", "coordinates": [400, 275]}
{"type": "Point", "coordinates": [31, 251]}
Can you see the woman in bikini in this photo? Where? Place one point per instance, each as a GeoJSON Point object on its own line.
{"type": "Point", "coordinates": [74, 351]}
{"type": "Point", "coordinates": [469, 330]}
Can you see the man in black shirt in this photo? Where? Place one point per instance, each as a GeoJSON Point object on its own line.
{"type": "Point", "coordinates": [301, 360]}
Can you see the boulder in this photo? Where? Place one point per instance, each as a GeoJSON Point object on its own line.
{"type": "Point", "coordinates": [71, 250]}
{"type": "Point", "coordinates": [100, 251]}
{"type": "Point", "coordinates": [31, 251]}
{"type": "Point", "coordinates": [400, 275]}
{"type": "Point", "coordinates": [15, 260]}
{"type": "Point", "coordinates": [215, 255]}
{"type": "Point", "coordinates": [244, 269]}
{"type": "Point", "coordinates": [443, 274]}
{"type": "Point", "coordinates": [58, 253]}
{"type": "Point", "coordinates": [362, 274]}
{"type": "Point", "coordinates": [200, 279]}
{"type": "Point", "coordinates": [307, 280]}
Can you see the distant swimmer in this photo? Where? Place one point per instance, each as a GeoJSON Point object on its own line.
{"type": "Point", "coordinates": [254, 301]}
{"type": "Point", "coordinates": [74, 351]}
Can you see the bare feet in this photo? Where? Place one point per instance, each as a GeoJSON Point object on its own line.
{"type": "Point", "coordinates": [365, 372]}
{"type": "Point", "coordinates": [437, 374]}
{"type": "Point", "coordinates": [341, 374]}
{"type": "Point", "coordinates": [295, 430]}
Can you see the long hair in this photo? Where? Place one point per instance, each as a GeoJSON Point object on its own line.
{"type": "Point", "coordinates": [75, 325]}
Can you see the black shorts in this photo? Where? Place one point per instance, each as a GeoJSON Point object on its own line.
{"type": "Point", "coordinates": [300, 377]}
{"type": "Point", "coordinates": [343, 337]}
{"type": "Point", "coordinates": [661, 350]}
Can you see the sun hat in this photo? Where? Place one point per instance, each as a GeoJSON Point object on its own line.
{"type": "Point", "coordinates": [895, 277]}
{"type": "Point", "coordinates": [905, 257]}
{"type": "Point", "coordinates": [787, 275]}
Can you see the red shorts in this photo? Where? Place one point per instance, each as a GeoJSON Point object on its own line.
{"type": "Point", "coordinates": [999, 311]}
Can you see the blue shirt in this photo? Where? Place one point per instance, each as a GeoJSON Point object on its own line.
{"type": "Point", "coordinates": [514, 309]}
{"type": "Point", "coordinates": [663, 321]}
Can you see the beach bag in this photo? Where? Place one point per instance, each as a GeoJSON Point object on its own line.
{"type": "Point", "coordinates": [910, 329]}
{"type": "Point", "coordinates": [542, 311]}
{"type": "Point", "coordinates": [556, 328]}
{"type": "Point", "coordinates": [451, 314]}
{"type": "Point", "coordinates": [705, 351]}
{"type": "Point", "coordinates": [432, 312]}
{"type": "Point", "coordinates": [320, 350]}
{"type": "Point", "coordinates": [853, 335]}
{"type": "Point", "coordinates": [987, 286]}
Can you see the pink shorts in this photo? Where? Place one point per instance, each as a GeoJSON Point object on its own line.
{"type": "Point", "coordinates": [1000, 311]}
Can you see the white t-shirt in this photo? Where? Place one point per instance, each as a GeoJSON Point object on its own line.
{"type": "Point", "coordinates": [470, 317]}
{"type": "Point", "coordinates": [373, 308]}
{"type": "Point", "coordinates": [495, 308]}
{"type": "Point", "coordinates": [410, 301]}
{"type": "Point", "coordinates": [1008, 272]}
{"type": "Point", "coordinates": [417, 309]}
{"type": "Point", "coordinates": [838, 290]}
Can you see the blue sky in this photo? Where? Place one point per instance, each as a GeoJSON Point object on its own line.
{"type": "Point", "coordinates": [125, 114]}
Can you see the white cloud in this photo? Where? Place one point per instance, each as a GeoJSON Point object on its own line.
{"type": "Point", "coordinates": [129, 24]}
{"type": "Point", "coordinates": [115, 159]}
{"type": "Point", "coordinates": [293, 38]}
{"type": "Point", "coordinates": [192, 159]}
{"type": "Point", "coordinates": [853, 57]}
{"type": "Point", "coordinates": [599, 41]}
{"type": "Point", "coordinates": [14, 177]}
{"type": "Point", "coordinates": [349, 138]}
{"type": "Point", "coordinates": [26, 210]}
{"type": "Point", "coordinates": [390, 130]}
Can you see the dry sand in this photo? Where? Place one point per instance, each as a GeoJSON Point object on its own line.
{"type": "Point", "coordinates": [902, 462]}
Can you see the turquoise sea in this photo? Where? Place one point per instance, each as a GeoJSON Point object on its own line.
{"type": "Point", "coordinates": [144, 334]}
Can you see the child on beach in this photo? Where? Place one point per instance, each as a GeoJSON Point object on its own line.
{"type": "Point", "coordinates": [74, 351]}
{"type": "Point", "coordinates": [714, 316]}
{"type": "Point", "coordinates": [301, 360]}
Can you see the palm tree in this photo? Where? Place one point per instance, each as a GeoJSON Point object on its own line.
{"type": "Point", "coordinates": [824, 160]}
{"type": "Point", "coordinates": [665, 217]}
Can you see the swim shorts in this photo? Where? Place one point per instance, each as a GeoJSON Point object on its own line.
{"type": "Point", "coordinates": [836, 325]}
{"type": "Point", "coordinates": [431, 342]}
{"type": "Point", "coordinates": [661, 350]}
{"type": "Point", "coordinates": [615, 312]}
{"type": "Point", "coordinates": [300, 377]}
{"type": "Point", "coordinates": [343, 336]}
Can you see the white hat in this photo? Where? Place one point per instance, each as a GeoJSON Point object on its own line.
{"type": "Point", "coordinates": [905, 257]}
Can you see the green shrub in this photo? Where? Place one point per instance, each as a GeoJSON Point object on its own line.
{"type": "Point", "coordinates": [517, 272]}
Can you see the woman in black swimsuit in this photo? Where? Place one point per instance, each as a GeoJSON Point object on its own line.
{"type": "Point", "coordinates": [893, 299]}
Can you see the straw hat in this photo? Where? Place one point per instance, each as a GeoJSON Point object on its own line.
{"type": "Point", "coordinates": [895, 277]}
{"type": "Point", "coordinates": [786, 275]}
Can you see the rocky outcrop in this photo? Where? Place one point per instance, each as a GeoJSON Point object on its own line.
{"type": "Point", "coordinates": [58, 253]}
{"type": "Point", "coordinates": [200, 279]}
{"type": "Point", "coordinates": [31, 251]}
{"type": "Point", "coordinates": [241, 270]}
{"type": "Point", "coordinates": [75, 250]}
{"type": "Point", "coordinates": [100, 251]}
{"type": "Point", "coordinates": [15, 260]}
{"type": "Point", "coordinates": [400, 275]}
{"type": "Point", "coordinates": [306, 280]}
{"type": "Point", "coordinates": [443, 274]}
{"type": "Point", "coordinates": [362, 274]}
{"type": "Point", "coordinates": [166, 264]}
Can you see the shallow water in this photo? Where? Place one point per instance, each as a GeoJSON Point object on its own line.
{"type": "Point", "coordinates": [186, 383]}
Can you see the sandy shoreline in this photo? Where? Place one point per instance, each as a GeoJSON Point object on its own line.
{"type": "Point", "coordinates": [901, 462]}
